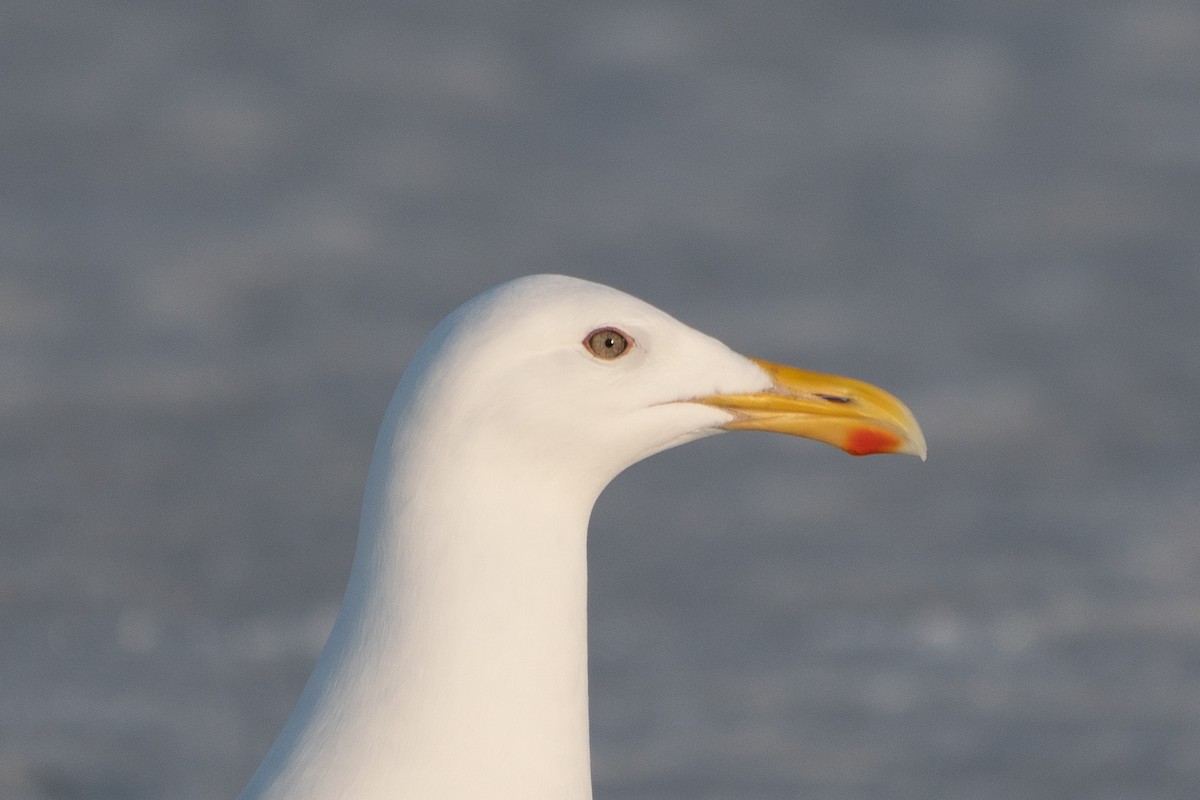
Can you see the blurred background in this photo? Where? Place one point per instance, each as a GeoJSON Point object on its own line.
{"type": "Point", "coordinates": [225, 227]}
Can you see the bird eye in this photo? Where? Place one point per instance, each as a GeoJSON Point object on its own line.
{"type": "Point", "coordinates": [607, 343]}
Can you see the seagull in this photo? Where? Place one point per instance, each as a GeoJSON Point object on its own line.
{"type": "Point", "coordinates": [457, 666]}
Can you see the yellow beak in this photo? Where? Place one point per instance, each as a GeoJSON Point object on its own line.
{"type": "Point", "coordinates": [857, 417]}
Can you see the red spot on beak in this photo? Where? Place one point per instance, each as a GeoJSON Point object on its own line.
{"type": "Point", "coordinates": [865, 441]}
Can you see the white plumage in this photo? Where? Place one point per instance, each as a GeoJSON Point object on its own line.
{"type": "Point", "coordinates": [457, 667]}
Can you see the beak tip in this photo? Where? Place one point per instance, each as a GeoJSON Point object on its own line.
{"type": "Point", "coordinates": [920, 449]}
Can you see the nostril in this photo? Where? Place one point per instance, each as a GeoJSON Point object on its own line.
{"type": "Point", "coordinates": [834, 398]}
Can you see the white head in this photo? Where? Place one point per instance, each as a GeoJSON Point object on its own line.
{"type": "Point", "coordinates": [517, 369]}
{"type": "Point", "coordinates": [573, 375]}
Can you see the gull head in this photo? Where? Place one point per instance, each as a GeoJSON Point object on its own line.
{"type": "Point", "coordinates": [577, 378]}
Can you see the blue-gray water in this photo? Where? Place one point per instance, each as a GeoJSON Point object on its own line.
{"type": "Point", "coordinates": [224, 227]}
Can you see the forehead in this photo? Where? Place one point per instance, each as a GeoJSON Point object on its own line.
{"type": "Point", "coordinates": [557, 308]}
